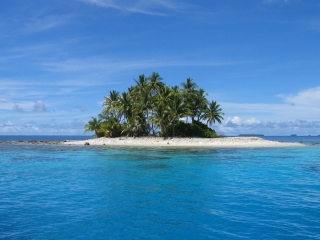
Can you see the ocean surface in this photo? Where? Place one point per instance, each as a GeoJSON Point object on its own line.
{"type": "Point", "coordinates": [43, 137]}
{"type": "Point", "coordinates": [92, 192]}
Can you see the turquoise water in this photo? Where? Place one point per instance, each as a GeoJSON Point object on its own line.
{"type": "Point", "coordinates": [64, 192]}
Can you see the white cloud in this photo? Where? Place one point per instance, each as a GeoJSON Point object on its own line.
{"type": "Point", "coordinates": [235, 126]}
{"type": "Point", "coordinates": [252, 121]}
{"type": "Point", "coordinates": [310, 97]}
{"type": "Point", "coordinates": [9, 123]}
{"type": "Point", "coordinates": [273, 111]}
{"type": "Point", "coordinates": [277, 118]}
{"type": "Point", "coordinates": [7, 104]}
{"type": "Point", "coordinates": [30, 127]}
{"type": "Point", "coordinates": [39, 106]}
{"type": "Point", "coordinates": [235, 120]}
{"type": "Point", "coordinates": [17, 108]}
{"type": "Point", "coordinates": [25, 128]}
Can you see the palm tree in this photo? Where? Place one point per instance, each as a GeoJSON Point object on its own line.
{"type": "Point", "coordinates": [189, 86]}
{"type": "Point", "coordinates": [150, 105]}
{"type": "Point", "coordinates": [213, 113]}
{"type": "Point", "coordinates": [189, 93]}
{"type": "Point", "coordinates": [154, 87]}
{"type": "Point", "coordinates": [175, 90]}
{"type": "Point", "coordinates": [111, 104]}
{"type": "Point", "coordinates": [112, 98]}
{"type": "Point", "coordinates": [93, 125]}
{"type": "Point", "coordinates": [141, 108]}
{"type": "Point", "coordinates": [176, 109]}
{"type": "Point", "coordinates": [133, 127]}
{"type": "Point", "coordinates": [155, 83]}
{"type": "Point", "coordinates": [160, 117]}
{"type": "Point", "coordinates": [124, 105]}
{"type": "Point", "coordinates": [199, 103]}
{"type": "Point", "coordinates": [165, 94]}
{"type": "Point", "coordinates": [163, 98]}
{"type": "Point", "coordinates": [111, 128]}
{"type": "Point", "coordinates": [141, 86]}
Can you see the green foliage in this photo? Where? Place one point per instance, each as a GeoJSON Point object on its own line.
{"type": "Point", "coordinates": [134, 127]}
{"type": "Point", "coordinates": [110, 128]}
{"type": "Point", "coordinates": [195, 129]}
{"type": "Point", "coordinates": [93, 126]}
{"type": "Point", "coordinates": [213, 113]}
{"type": "Point", "coordinates": [152, 107]}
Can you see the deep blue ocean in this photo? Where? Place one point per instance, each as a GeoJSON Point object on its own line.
{"type": "Point", "coordinates": [91, 192]}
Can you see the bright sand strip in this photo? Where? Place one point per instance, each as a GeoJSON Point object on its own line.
{"type": "Point", "coordinates": [227, 142]}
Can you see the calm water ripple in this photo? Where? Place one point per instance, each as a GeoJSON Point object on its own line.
{"type": "Point", "coordinates": [58, 192]}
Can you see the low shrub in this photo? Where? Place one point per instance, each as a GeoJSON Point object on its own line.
{"type": "Point", "coordinates": [195, 129]}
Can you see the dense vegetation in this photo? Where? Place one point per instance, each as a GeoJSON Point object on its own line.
{"type": "Point", "coordinates": [151, 108]}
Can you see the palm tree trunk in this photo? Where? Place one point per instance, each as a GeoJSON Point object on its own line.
{"type": "Point", "coordinates": [173, 130]}
{"type": "Point", "coordinates": [152, 127]}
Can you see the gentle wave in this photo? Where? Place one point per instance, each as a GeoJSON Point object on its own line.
{"type": "Point", "coordinates": [58, 192]}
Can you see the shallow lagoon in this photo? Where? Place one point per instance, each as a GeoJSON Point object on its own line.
{"type": "Point", "coordinates": [64, 192]}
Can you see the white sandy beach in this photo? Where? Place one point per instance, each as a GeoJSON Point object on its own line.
{"type": "Point", "coordinates": [232, 142]}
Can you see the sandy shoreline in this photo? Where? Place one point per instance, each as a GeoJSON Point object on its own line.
{"type": "Point", "coordinates": [232, 142]}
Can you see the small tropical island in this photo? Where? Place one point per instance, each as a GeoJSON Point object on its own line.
{"type": "Point", "coordinates": [152, 108]}
{"type": "Point", "coordinates": [153, 114]}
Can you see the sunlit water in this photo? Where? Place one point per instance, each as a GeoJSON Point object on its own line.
{"type": "Point", "coordinates": [67, 192]}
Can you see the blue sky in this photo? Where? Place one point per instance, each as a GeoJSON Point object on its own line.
{"type": "Point", "coordinates": [259, 59]}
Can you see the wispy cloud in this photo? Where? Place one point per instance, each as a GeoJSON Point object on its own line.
{"type": "Point", "coordinates": [9, 127]}
{"type": "Point", "coordinates": [275, 118]}
{"type": "Point", "coordinates": [236, 125]}
{"type": "Point", "coordinates": [17, 108]}
{"type": "Point", "coordinates": [9, 58]}
{"type": "Point", "coordinates": [113, 65]}
{"type": "Point", "coordinates": [308, 97]}
{"type": "Point", "coordinates": [38, 106]}
{"type": "Point", "coordinates": [272, 111]}
{"type": "Point", "coordinates": [30, 89]}
{"type": "Point", "coordinates": [102, 71]}
{"type": "Point", "coordinates": [31, 21]}
{"type": "Point", "coordinates": [150, 7]}
{"type": "Point", "coordinates": [31, 127]}
{"type": "Point", "coordinates": [44, 23]}
{"type": "Point", "coordinates": [73, 125]}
